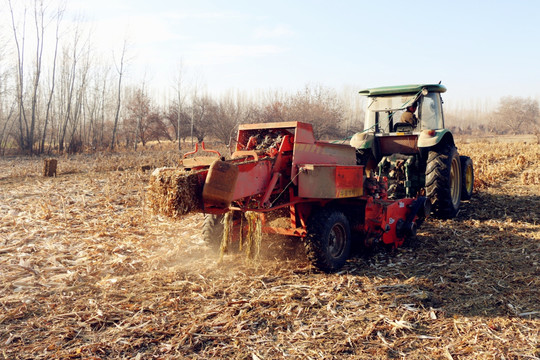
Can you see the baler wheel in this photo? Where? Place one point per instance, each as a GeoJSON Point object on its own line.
{"type": "Point", "coordinates": [467, 177]}
{"type": "Point", "coordinates": [328, 240]}
{"type": "Point", "coordinates": [213, 230]}
{"type": "Point", "coordinates": [443, 181]}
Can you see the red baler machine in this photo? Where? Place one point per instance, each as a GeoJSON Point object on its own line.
{"type": "Point", "coordinates": [327, 198]}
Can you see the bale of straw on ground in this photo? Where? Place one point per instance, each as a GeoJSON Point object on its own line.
{"type": "Point", "coordinates": [49, 167]}
{"type": "Point", "coordinates": [531, 177]}
{"type": "Point", "coordinates": [175, 192]}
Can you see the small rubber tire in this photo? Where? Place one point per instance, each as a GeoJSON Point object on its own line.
{"type": "Point", "coordinates": [328, 240]}
{"type": "Point", "coordinates": [467, 177]}
{"type": "Point", "coordinates": [212, 231]}
{"type": "Point", "coordinates": [443, 181]}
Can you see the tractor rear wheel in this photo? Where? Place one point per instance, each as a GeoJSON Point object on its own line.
{"type": "Point", "coordinates": [212, 231]}
{"type": "Point", "coordinates": [328, 240]}
{"type": "Point", "coordinates": [443, 181]}
{"type": "Point", "coordinates": [467, 177]}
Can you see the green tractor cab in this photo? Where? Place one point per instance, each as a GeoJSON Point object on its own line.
{"type": "Point", "coordinates": [404, 138]}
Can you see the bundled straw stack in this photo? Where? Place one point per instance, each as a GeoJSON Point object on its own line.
{"type": "Point", "coordinates": [49, 167]}
{"type": "Point", "coordinates": [531, 177]}
{"type": "Point", "coordinates": [174, 192]}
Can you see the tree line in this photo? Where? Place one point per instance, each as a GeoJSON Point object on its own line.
{"type": "Point", "coordinates": [510, 115]}
{"type": "Point", "coordinates": [57, 94]}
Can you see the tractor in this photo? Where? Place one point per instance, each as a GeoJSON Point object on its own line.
{"type": "Point", "coordinates": [419, 157]}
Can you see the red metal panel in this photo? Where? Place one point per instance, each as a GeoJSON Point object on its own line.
{"type": "Point", "coordinates": [394, 212]}
{"type": "Point", "coordinates": [253, 178]}
{"type": "Point", "coordinates": [324, 153]}
{"type": "Point", "coordinates": [304, 133]}
{"type": "Point", "coordinates": [271, 125]}
{"type": "Point", "coordinates": [349, 181]}
{"type": "Point", "coordinates": [330, 181]}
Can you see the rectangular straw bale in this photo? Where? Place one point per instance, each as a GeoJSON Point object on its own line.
{"type": "Point", "coordinates": [175, 192]}
{"type": "Point", "coordinates": [49, 167]}
{"type": "Point", "coordinates": [531, 177]}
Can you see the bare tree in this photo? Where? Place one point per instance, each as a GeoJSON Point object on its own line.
{"type": "Point", "coordinates": [516, 115]}
{"type": "Point", "coordinates": [58, 17]}
{"type": "Point", "coordinates": [203, 116]}
{"type": "Point", "coordinates": [353, 109]}
{"type": "Point", "coordinates": [7, 106]}
{"type": "Point", "coordinates": [7, 127]}
{"type": "Point", "coordinates": [120, 70]}
{"type": "Point", "coordinates": [103, 105]}
{"type": "Point", "coordinates": [231, 111]}
{"type": "Point", "coordinates": [274, 112]}
{"type": "Point", "coordinates": [180, 122]}
{"type": "Point", "coordinates": [74, 72]}
{"type": "Point", "coordinates": [321, 107]}
{"type": "Point", "coordinates": [469, 115]}
{"type": "Point", "coordinates": [28, 117]}
{"type": "Point", "coordinates": [19, 39]}
{"type": "Point", "coordinates": [181, 94]}
{"type": "Point", "coordinates": [157, 129]}
{"type": "Point", "coordinates": [137, 116]}
{"type": "Point", "coordinates": [76, 140]}
{"type": "Point", "coordinates": [141, 111]}
{"type": "Point", "coordinates": [39, 14]}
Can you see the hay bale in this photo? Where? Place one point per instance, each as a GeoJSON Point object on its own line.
{"type": "Point", "coordinates": [530, 177]}
{"type": "Point", "coordinates": [174, 192]}
{"type": "Point", "coordinates": [49, 167]}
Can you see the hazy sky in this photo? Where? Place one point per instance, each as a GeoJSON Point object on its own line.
{"type": "Point", "coordinates": [476, 48]}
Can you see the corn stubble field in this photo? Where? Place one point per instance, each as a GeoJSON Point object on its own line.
{"type": "Point", "coordinates": [87, 271]}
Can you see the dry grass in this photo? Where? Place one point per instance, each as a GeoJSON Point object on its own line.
{"type": "Point", "coordinates": [86, 271]}
{"type": "Point", "coordinates": [497, 163]}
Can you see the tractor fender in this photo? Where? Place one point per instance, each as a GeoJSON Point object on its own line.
{"type": "Point", "coordinates": [430, 138]}
{"type": "Point", "coordinates": [362, 140]}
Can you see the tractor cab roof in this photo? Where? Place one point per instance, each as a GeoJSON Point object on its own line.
{"type": "Point", "coordinates": [402, 89]}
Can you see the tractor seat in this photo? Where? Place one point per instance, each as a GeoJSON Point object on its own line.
{"type": "Point", "coordinates": [403, 127]}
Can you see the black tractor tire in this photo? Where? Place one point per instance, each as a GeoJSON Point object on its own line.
{"type": "Point", "coordinates": [467, 177]}
{"type": "Point", "coordinates": [328, 240]}
{"type": "Point", "coordinates": [443, 181]}
{"type": "Point", "coordinates": [212, 231]}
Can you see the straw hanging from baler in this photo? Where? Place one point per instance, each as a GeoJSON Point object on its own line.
{"type": "Point", "coordinates": [226, 239]}
{"type": "Point", "coordinates": [254, 235]}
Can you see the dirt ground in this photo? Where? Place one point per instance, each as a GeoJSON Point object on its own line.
{"type": "Point", "coordinates": [88, 272]}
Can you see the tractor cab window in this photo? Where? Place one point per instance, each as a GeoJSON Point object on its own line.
{"type": "Point", "coordinates": [430, 113]}
{"type": "Point", "coordinates": [382, 112]}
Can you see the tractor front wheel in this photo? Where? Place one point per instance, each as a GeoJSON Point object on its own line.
{"type": "Point", "coordinates": [328, 240]}
{"type": "Point", "coordinates": [467, 177]}
{"type": "Point", "coordinates": [443, 181]}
